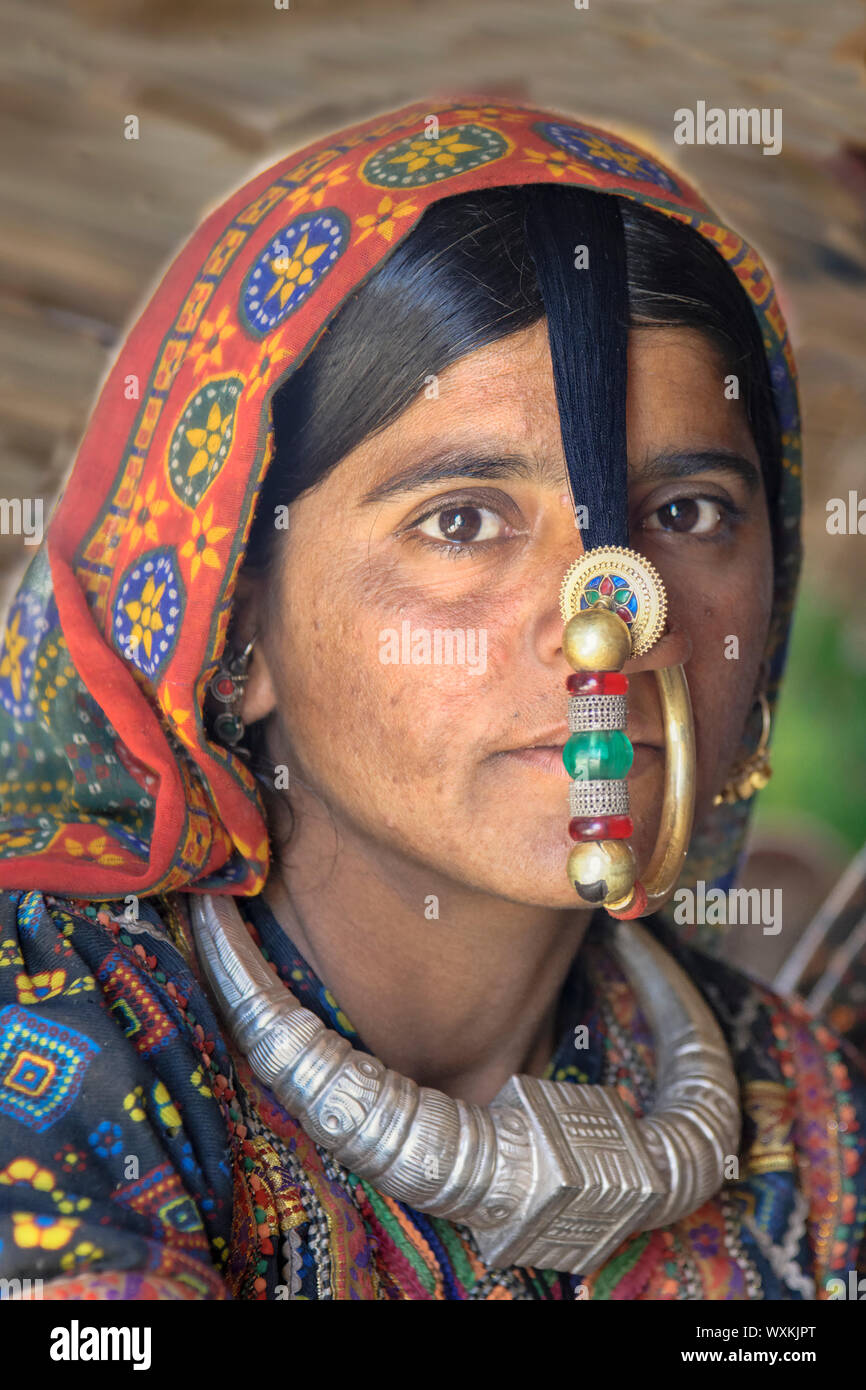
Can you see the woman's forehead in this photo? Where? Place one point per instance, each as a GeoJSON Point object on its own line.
{"type": "Point", "coordinates": [493, 414]}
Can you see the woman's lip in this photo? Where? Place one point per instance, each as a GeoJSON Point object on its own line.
{"type": "Point", "coordinates": [548, 757]}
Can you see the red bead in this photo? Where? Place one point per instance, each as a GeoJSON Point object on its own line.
{"type": "Point", "coordinates": [600, 827]}
{"type": "Point", "coordinates": [597, 683]}
{"type": "Point", "coordinates": [225, 686]}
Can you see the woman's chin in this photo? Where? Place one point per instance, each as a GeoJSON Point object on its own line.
{"type": "Point", "coordinates": [529, 857]}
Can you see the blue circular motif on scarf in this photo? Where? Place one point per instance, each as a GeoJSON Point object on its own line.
{"type": "Point", "coordinates": [147, 607]}
{"type": "Point", "coordinates": [605, 153]}
{"type": "Point", "coordinates": [30, 617]}
{"type": "Point", "coordinates": [290, 267]}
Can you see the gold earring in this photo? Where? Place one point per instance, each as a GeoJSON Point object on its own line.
{"type": "Point", "coordinates": [755, 772]}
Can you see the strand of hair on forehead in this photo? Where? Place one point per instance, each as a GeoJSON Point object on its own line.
{"type": "Point", "coordinates": [577, 244]}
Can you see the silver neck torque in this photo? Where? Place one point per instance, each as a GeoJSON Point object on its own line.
{"type": "Point", "coordinates": [551, 1174]}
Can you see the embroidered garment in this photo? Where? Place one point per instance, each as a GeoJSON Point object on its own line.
{"type": "Point", "coordinates": [132, 1142]}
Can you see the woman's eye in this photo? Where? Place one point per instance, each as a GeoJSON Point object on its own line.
{"type": "Point", "coordinates": [694, 516]}
{"type": "Point", "coordinates": [462, 524]}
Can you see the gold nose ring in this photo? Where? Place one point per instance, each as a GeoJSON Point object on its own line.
{"type": "Point", "coordinates": [614, 607]}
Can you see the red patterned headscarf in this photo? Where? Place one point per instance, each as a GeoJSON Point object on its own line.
{"type": "Point", "coordinates": [109, 783]}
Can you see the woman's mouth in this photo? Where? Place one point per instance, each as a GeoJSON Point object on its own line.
{"type": "Point", "coordinates": [548, 758]}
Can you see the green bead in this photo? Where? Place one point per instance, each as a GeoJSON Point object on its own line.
{"type": "Point", "coordinates": [598, 754]}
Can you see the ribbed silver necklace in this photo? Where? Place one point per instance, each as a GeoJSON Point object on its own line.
{"type": "Point", "coordinates": [551, 1174]}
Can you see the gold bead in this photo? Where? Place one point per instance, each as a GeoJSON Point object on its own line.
{"type": "Point", "coordinates": [602, 871]}
{"type": "Point", "coordinates": [596, 639]}
{"type": "Point", "coordinates": [620, 904]}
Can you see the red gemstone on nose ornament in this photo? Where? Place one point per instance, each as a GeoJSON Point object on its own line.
{"type": "Point", "coordinates": [600, 827]}
{"type": "Point", "coordinates": [597, 683]}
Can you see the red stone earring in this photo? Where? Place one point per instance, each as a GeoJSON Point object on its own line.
{"type": "Point", "coordinates": [227, 688]}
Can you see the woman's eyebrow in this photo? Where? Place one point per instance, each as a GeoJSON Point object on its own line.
{"type": "Point", "coordinates": [683, 463]}
{"type": "Point", "coordinates": [476, 463]}
{"type": "Point", "coordinates": [458, 463]}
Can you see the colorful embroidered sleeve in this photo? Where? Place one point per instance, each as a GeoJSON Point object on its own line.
{"type": "Point", "coordinates": [115, 1165]}
{"type": "Point", "coordinates": [802, 1186]}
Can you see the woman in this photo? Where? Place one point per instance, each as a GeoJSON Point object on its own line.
{"type": "Point", "coordinates": [294, 650]}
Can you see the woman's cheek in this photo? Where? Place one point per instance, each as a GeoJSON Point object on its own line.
{"type": "Point", "coordinates": [363, 719]}
{"type": "Point", "coordinates": [728, 644]}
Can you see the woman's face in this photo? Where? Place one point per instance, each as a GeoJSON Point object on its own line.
{"type": "Point", "coordinates": [410, 645]}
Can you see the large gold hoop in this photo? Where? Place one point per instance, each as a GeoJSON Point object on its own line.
{"type": "Point", "coordinates": [678, 798]}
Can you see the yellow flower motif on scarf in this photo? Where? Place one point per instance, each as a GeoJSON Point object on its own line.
{"type": "Point", "coordinates": [220, 1249]}
{"type": "Point", "coordinates": [10, 664]}
{"type": "Point", "coordinates": [271, 354]}
{"type": "Point", "coordinates": [294, 270]}
{"type": "Point", "coordinates": [27, 1170]}
{"type": "Point", "coordinates": [480, 113]}
{"type": "Point", "coordinates": [383, 220]}
{"type": "Point", "coordinates": [32, 989]}
{"type": "Point", "coordinates": [166, 1109]}
{"type": "Point", "coordinates": [145, 511]}
{"type": "Point", "coordinates": [133, 1103]}
{"type": "Point", "coordinates": [97, 850]}
{"type": "Point", "coordinates": [81, 985]}
{"type": "Point", "coordinates": [9, 952]}
{"type": "Point", "coordinates": [338, 1013]}
{"type": "Point", "coordinates": [207, 441]}
{"type": "Point", "coordinates": [84, 1253]}
{"type": "Point", "coordinates": [198, 548]}
{"type": "Point", "coordinates": [198, 1081]}
{"type": "Point", "coordinates": [177, 716]}
{"type": "Point", "coordinates": [599, 149]}
{"type": "Point", "coordinates": [557, 163]}
{"type": "Point", "coordinates": [35, 1232]}
{"type": "Point", "coordinates": [207, 349]}
{"type": "Point", "coordinates": [314, 190]}
{"type": "Point", "coordinates": [441, 151]}
{"type": "Point", "coordinates": [15, 839]}
{"type": "Point", "coordinates": [787, 442]}
{"type": "Point", "coordinates": [258, 856]}
{"type": "Point", "coordinates": [144, 615]}
{"type": "Point", "coordinates": [67, 1205]}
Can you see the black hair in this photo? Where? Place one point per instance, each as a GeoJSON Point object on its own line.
{"type": "Point", "coordinates": [466, 277]}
